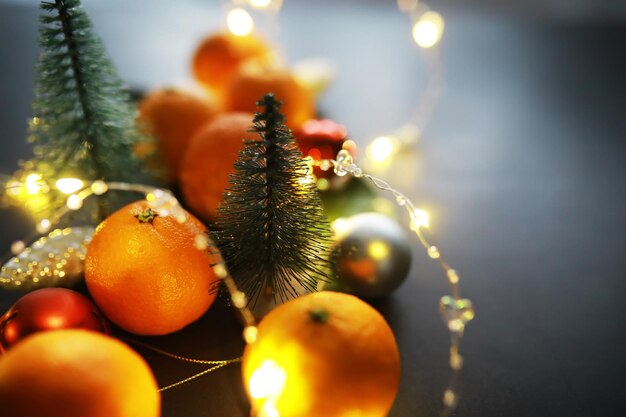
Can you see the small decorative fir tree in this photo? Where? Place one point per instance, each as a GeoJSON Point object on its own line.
{"type": "Point", "coordinates": [271, 229]}
{"type": "Point", "coordinates": [84, 123]}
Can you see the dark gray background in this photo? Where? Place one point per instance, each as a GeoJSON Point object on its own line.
{"type": "Point", "coordinates": [522, 167]}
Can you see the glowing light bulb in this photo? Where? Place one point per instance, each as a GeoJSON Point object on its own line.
{"type": "Point", "coordinates": [250, 333]}
{"type": "Point", "coordinates": [201, 242]}
{"type": "Point", "coordinates": [220, 271]}
{"type": "Point", "coordinates": [239, 22]}
{"type": "Point", "coordinates": [99, 187]}
{"type": "Point", "coordinates": [17, 247]}
{"type": "Point", "coordinates": [380, 149]}
{"type": "Point", "coordinates": [267, 381]}
{"type": "Point", "coordinates": [33, 183]}
{"type": "Point", "coordinates": [339, 225]}
{"type": "Point", "coordinates": [43, 226]}
{"type": "Point", "coordinates": [74, 202]}
{"type": "Point", "coordinates": [14, 188]}
{"type": "Point", "coordinates": [421, 217]}
{"type": "Point", "coordinates": [428, 29]}
{"type": "Point", "coordinates": [69, 185]}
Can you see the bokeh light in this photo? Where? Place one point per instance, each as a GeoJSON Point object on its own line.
{"type": "Point", "coordinates": [427, 31]}
{"type": "Point", "coordinates": [239, 22]}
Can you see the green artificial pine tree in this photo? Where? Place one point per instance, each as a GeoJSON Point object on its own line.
{"type": "Point", "coordinates": [84, 122]}
{"type": "Point", "coordinates": [271, 229]}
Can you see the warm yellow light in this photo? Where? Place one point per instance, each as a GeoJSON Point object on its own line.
{"type": "Point", "coordinates": [69, 185]}
{"type": "Point", "coordinates": [428, 29]}
{"type": "Point", "coordinates": [33, 183]}
{"type": "Point", "coordinates": [378, 250]}
{"type": "Point", "coordinates": [421, 218]}
{"type": "Point", "coordinates": [380, 149]}
{"type": "Point", "coordinates": [267, 381]}
{"type": "Point", "coordinates": [269, 409]}
{"type": "Point", "coordinates": [14, 188]}
{"type": "Point", "coordinates": [43, 226]}
{"type": "Point", "coordinates": [99, 187]}
{"type": "Point", "coordinates": [74, 202]}
{"type": "Point", "coordinates": [260, 4]}
{"type": "Point", "coordinates": [339, 225]}
{"type": "Point", "coordinates": [250, 332]}
{"type": "Point", "coordinates": [239, 22]}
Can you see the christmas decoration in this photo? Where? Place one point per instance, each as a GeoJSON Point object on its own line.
{"type": "Point", "coordinates": [215, 365]}
{"type": "Point", "coordinates": [456, 312]}
{"type": "Point", "coordinates": [323, 354]}
{"type": "Point", "coordinates": [49, 309]}
{"type": "Point", "coordinates": [209, 160]}
{"type": "Point", "coordinates": [373, 254]}
{"type": "Point", "coordinates": [270, 228]}
{"type": "Point", "coordinates": [76, 373]}
{"type": "Point", "coordinates": [52, 260]}
{"type": "Point", "coordinates": [218, 58]}
{"type": "Point", "coordinates": [252, 81]}
{"type": "Point", "coordinates": [172, 116]}
{"type": "Point", "coordinates": [320, 139]}
{"type": "Point", "coordinates": [83, 125]}
{"type": "Point", "coordinates": [144, 271]}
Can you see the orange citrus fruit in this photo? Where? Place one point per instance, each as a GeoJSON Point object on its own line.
{"type": "Point", "coordinates": [254, 81]}
{"type": "Point", "coordinates": [172, 116]}
{"type": "Point", "coordinates": [76, 373]}
{"type": "Point", "coordinates": [209, 161]}
{"type": "Point", "coordinates": [323, 354]}
{"type": "Point", "coordinates": [146, 274]}
{"type": "Point", "coordinates": [219, 56]}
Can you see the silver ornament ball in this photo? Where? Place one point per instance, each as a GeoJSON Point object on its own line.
{"type": "Point", "coordinates": [373, 255]}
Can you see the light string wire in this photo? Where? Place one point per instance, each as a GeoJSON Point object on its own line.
{"type": "Point", "coordinates": [215, 364]}
{"type": "Point", "coordinates": [165, 204]}
{"type": "Point", "coordinates": [455, 311]}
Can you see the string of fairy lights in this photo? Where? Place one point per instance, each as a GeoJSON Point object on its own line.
{"type": "Point", "coordinates": [455, 311]}
{"type": "Point", "coordinates": [427, 29]}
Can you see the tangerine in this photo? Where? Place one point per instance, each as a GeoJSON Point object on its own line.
{"type": "Point", "coordinates": [323, 354]}
{"type": "Point", "coordinates": [254, 81]}
{"type": "Point", "coordinates": [76, 373]}
{"type": "Point", "coordinates": [209, 161]}
{"type": "Point", "coordinates": [219, 56]}
{"type": "Point", "coordinates": [172, 116]}
{"type": "Point", "coordinates": [145, 273]}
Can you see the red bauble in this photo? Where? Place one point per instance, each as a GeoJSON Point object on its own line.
{"type": "Point", "coordinates": [321, 139]}
{"type": "Point", "coordinates": [49, 309]}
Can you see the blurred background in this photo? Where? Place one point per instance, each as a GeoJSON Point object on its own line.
{"type": "Point", "coordinates": [522, 167]}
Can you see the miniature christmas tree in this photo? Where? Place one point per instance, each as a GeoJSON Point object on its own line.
{"type": "Point", "coordinates": [83, 125]}
{"type": "Point", "coordinates": [270, 228]}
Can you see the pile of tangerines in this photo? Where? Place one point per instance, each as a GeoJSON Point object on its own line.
{"type": "Point", "coordinates": [199, 132]}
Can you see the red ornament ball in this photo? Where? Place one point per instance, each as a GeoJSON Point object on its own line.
{"type": "Point", "coordinates": [49, 309]}
{"type": "Point", "coordinates": [320, 139]}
